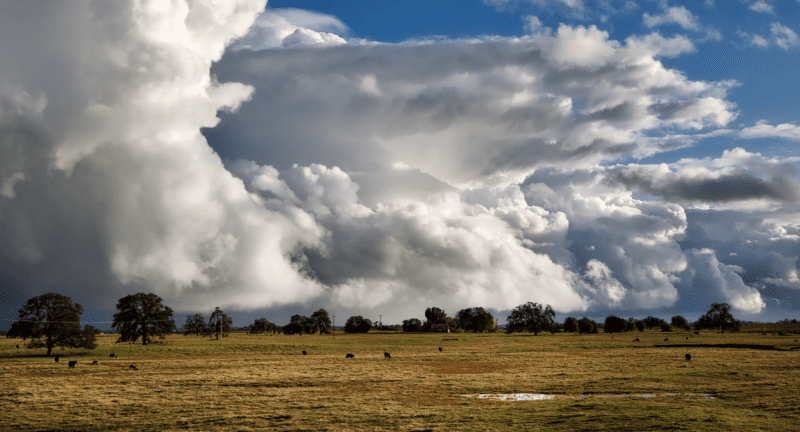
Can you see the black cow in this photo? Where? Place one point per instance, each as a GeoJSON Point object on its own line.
{"type": "Point", "coordinates": [112, 356]}
{"type": "Point", "coordinates": [688, 357]}
{"type": "Point", "coordinates": [440, 349]}
{"type": "Point", "coordinates": [666, 340]}
{"type": "Point", "coordinates": [94, 362]}
{"type": "Point", "coordinates": [304, 353]}
{"type": "Point", "coordinates": [386, 355]}
{"type": "Point", "coordinates": [72, 363]}
{"type": "Point", "coordinates": [133, 367]}
{"type": "Point", "coordinates": [349, 356]}
{"type": "Point", "coordinates": [56, 359]}
{"type": "Point", "coordinates": [17, 346]}
{"type": "Point", "coordinates": [636, 340]}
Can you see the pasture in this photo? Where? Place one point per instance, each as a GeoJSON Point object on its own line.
{"type": "Point", "coordinates": [738, 381]}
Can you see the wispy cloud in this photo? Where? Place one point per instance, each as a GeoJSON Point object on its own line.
{"type": "Point", "coordinates": [673, 15]}
{"type": "Point", "coordinates": [761, 6]}
{"type": "Point", "coordinates": [780, 36]}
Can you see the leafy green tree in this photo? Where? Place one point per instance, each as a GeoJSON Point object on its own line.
{"type": "Point", "coordinates": [357, 324]}
{"type": "Point", "coordinates": [640, 325]}
{"type": "Point", "coordinates": [320, 322]}
{"type": "Point", "coordinates": [195, 325]}
{"type": "Point", "coordinates": [53, 320]}
{"type": "Point", "coordinates": [412, 325]}
{"type": "Point", "coordinates": [652, 322]}
{"type": "Point", "coordinates": [666, 327]}
{"type": "Point", "coordinates": [718, 317]}
{"type": "Point", "coordinates": [571, 325]}
{"type": "Point", "coordinates": [531, 317]}
{"type": "Point", "coordinates": [586, 325]}
{"type": "Point", "coordinates": [220, 323]}
{"type": "Point", "coordinates": [262, 325]}
{"type": "Point", "coordinates": [435, 316]}
{"type": "Point", "coordinates": [297, 325]}
{"type": "Point", "coordinates": [680, 322]}
{"type": "Point", "coordinates": [475, 319]}
{"type": "Point", "coordinates": [614, 324]}
{"type": "Point", "coordinates": [142, 315]}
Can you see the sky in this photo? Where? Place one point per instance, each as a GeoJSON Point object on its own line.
{"type": "Point", "coordinates": [631, 158]}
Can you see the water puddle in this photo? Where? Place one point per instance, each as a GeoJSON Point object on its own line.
{"type": "Point", "coordinates": [513, 396]}
{"type": "Point", "coordinates": [537, 396]}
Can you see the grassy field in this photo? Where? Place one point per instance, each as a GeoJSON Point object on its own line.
{"type": "Point", "coordinates": [739, 381]}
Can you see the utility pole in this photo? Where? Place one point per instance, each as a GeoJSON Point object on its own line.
{"type": "Point", "coordinates": [219, 325]}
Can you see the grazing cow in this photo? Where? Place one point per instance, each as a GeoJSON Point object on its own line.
{"type": "Point", "coordinates": [349, 356]}
{"type": "Point", "coordinates": [636, 340]}
{"type": "Point", "coordinates": [440, 349]}
{"type": "Point", "coordinates": [113, 356]}
{"type": "Point", "coordinates": [688, 357]}
{"type": "Point", "coordinates": [72, 363]}
{"type": "Point", "coordinates": [666, 339]}
{"type": "Point", "coordinates": [17, 346]}
{"type": "Point", "coordinates": [304, 353]}
{"type": "Point", "coordinates": [386, 355]}
{"type": "Point", "coordinates": [56, 359]}
{"type": "Point", "coordinates": [94, 362]}
{"type": "Point", "coordinates": [697, 332]}
{"type": "Point", "coordinates": [687, 337]}
{"type": "Point", "coordinates": [133, 367]}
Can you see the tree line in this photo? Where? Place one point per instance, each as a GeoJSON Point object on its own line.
{"type": "Point", "coordinates": [51, 320]}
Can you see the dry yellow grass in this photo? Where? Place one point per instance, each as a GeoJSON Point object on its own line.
{"type": "Point", "coordinates": [264, 382]}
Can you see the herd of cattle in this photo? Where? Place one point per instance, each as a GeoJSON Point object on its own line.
{"type": "Point", "coordinates": [72, 363]}
{"type": "Point", "coordinates": [386, 355]}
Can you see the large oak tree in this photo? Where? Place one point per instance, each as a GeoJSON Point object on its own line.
{"type": "Point", "coordinates": [142, 315]}
{"type": "Point", "coordinates": [531, 317]}
{"type": "Point", "coordinates": [53, 320]}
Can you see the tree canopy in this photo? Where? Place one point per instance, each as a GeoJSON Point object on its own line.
{"type": "Point", "coordinates": [262, 325]}
{"type": "Point", "coordinates": [53, 320]}
{"type": "Point", "coordinates": [434, 315]}
{"type": "Point", "coordinates": [586, 325]}
{"type": "Point", "coordinates": [615, 324]}
{"type": "Point", "coordinates": [718, 317]}
{"type": "Point", "coordinates": [142, 315]}
{"type": "Point", "coordinates": [531, 317]}
{"type": "Point", "coordinates": [320, 322]}
{"type": "Point", "coordinates": [195, 325]}
{"type": "Point", "coordinates": [571, 325]}
{"type": "Point", "coordinates": [357, 324]}
{"type": "Point", "coordinates": [220, 323]}
{"type": "Point", "coordinates": [475, 319]}
{"type": "Point", "coordinates": [412, 325]}
{"type": "Point", "coordinates": [680, 322]}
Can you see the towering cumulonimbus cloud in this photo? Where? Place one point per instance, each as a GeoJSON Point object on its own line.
{"type": "Point", "coordinates": [360, 175]}
{"type": "Point", "coordinates": [109, 174]}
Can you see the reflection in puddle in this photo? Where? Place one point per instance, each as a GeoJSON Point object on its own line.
{"type": "Point", "coordinates": [513, 396]}
{"type": "Point", "coordinates": [536, 396]}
